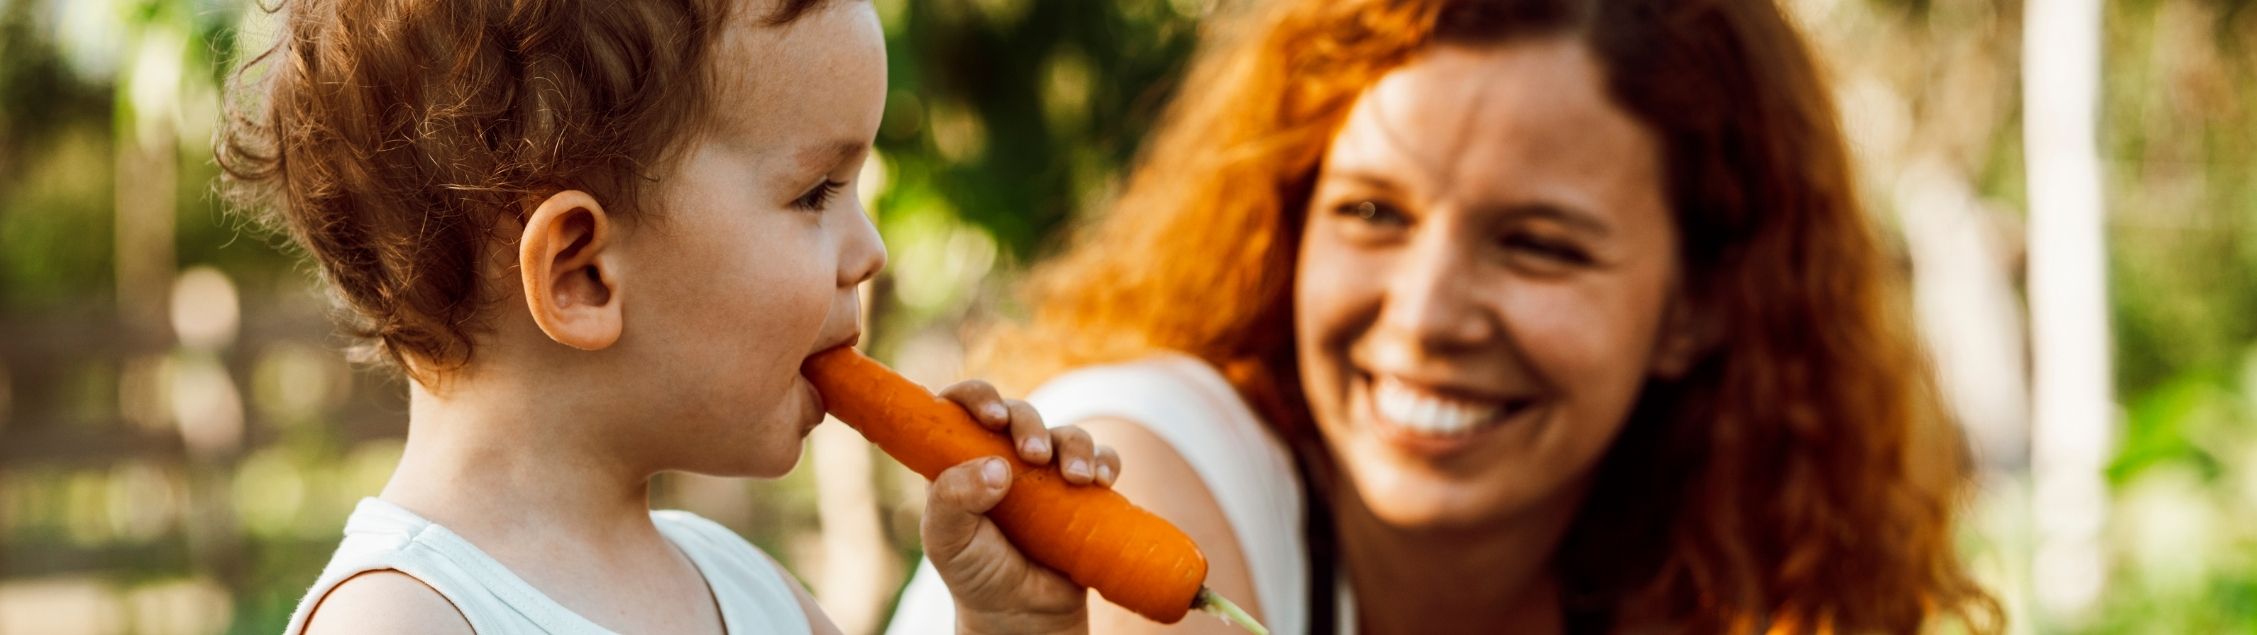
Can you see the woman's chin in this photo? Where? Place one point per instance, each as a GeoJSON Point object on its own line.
{"type": "Point", "coordinates": [1407, 500]}
{"type": "Point", "coordinates": [1411, 498]}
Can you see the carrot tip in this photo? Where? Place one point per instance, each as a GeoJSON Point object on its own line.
{"type": "Point", "coordinates": [1221, 607]}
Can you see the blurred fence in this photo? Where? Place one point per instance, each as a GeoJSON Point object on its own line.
{"type": "Point", "coordinates": [128, 459]}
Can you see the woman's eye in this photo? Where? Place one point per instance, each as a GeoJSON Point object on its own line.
{"type": "Point", "coordinates": [1374, 213]}
{"type": "Point", "coordinates": [1557, 252]}
{"type": "Point", "coordinates": [815, 199]}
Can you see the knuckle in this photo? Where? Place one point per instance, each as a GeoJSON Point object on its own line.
{"type": "Point", "coordinates": [950, 490]}
{"type": "Point", "coordinates": [1074, 436]}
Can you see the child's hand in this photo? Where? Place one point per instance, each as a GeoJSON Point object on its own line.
{"type": "Point", "coordinates": [997, 589]}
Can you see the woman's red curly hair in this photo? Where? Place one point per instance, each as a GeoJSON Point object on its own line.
{"type": "Point", "coordinates": [1801, 478]}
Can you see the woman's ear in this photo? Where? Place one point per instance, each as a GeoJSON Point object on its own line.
{"type": "Point", "coordinates": [571, 277]}
{"type": "Point", "coordinates": [1687, 333]}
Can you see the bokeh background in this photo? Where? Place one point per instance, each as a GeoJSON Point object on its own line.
{"type": "Point", "coordinates": [180, 440]}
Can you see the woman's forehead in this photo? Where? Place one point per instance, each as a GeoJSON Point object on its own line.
{"type": "Point", "coordinates": [1498, 117]}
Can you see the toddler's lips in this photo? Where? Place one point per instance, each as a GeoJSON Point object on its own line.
{"type": "Point", "coordinates": [816, 411]}
{"type": "Point", "coordinates": [851, 338]}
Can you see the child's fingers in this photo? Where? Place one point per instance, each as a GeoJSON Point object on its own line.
{"type": "Point", "coordinates": [992, 581]}
{"type": "Point", "coordinates": [1108, 465]}
{"type": "Point", "coordinates": [956, 504]}
{"type": "Point", "coordinates": [980, 399]}
{"type": "Point", "coordinates": [1077, 454]}
{"type": "Point", "coordinates": [1028, 433]}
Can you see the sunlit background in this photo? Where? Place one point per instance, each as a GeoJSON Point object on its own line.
{"type": "Point", "coordinates": [180, 441]}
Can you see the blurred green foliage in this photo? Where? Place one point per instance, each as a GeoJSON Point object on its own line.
{"type": "Point", "coordinates": [2183, 278]}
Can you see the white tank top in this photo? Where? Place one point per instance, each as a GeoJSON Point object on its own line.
{"type": "Point", "coordinates": [752, 593]}
{"type": "Point", "coordinates": [1245, 467]}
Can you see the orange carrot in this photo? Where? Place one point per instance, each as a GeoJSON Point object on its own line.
{"type": "Point", "coordinates": [1092, 534]}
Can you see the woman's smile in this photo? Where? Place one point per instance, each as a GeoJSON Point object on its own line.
{"type": "Point", "coordinates": [1435, 422]}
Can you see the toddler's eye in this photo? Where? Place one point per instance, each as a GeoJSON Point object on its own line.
{"type": "Point", "coordinates": [816, 198]}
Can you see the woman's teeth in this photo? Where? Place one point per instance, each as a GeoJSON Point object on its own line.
{"type": "Point", "coordinates": [1427, 413]}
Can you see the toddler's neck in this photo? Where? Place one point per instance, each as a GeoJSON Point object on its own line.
{"type": "Point", "coordinates": [498, 470]}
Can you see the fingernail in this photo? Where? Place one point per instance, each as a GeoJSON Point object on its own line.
{"type": "Point", "coordinates": [995, 412]}
{"type": "Point", "coordinates": [1077, 467]}
{"type": "Point", "coordinates": [1104, 474]}
{"type": "Point", "coordinates": [1034, 445]}
{"type": "Point", "coordinates": [994, 473]}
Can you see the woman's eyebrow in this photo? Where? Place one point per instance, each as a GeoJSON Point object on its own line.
{"type": "Point", "coordinates": [1565, 214]}
{"type": "Point", "coordinates": [1546, 210]}
{"type": "Point", "coordinates": [1362, 177]}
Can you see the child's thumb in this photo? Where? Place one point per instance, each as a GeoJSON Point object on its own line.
{"type": "Point", "coordinates": [956, 504]}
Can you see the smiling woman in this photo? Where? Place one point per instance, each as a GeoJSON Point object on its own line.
{"type": "Point", "coordinates": [1551, 315]}
{"type": "Point", "coordinates": [1486, 280]}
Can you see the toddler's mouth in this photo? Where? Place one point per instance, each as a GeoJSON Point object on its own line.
{"type": "Point", "coordinates": [818, 412]}
{"type": "Point", "coordinates": [851, 338]}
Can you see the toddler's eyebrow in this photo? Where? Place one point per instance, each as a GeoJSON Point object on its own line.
{"type": "Point", "coordinates": [789, 11]}
{"type": "Point", "coordinates": [825, 156]}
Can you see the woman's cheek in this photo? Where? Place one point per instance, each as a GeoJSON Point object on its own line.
{"type": "Point", "coordinates": [1313, 293]}
{"type": "Point", "coordinates": [1576, 339]}
{"type": "Point", "coordinates": [1325, 288]}
{"type": "Point", "coordinates": [1555, 322]}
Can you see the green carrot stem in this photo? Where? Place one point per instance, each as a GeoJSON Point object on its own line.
{"type": "Point", "coordinates": [1215, 603]}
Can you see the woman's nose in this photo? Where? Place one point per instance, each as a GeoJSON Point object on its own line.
{"type": "Point", "coordinates": [1431, 300]}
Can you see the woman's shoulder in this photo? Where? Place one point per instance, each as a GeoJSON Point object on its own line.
{"type": "Point", "coordinates": [1182, 398]}
{"type": "Point", "coordinates": [1173, 406]}
{"type": "Point", "coordinates": [1195, 452]}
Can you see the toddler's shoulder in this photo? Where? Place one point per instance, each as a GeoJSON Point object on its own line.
{"type": "Point", "coordinates": [745, 579]}
{"type": "Point", "coordinates": [384, 601]}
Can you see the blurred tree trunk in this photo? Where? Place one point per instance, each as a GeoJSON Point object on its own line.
{"type": "Point", "coordinates": [147, 178]}
{"type": "Point", "coordinates": [2073, 411]}
{"type": "Point", "coordinates": [147, 127]}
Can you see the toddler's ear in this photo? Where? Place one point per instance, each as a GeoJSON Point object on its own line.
{"type": "Point", "coordinates": [571, 283]}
